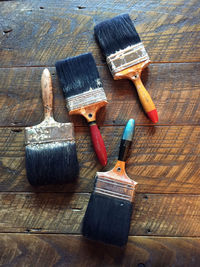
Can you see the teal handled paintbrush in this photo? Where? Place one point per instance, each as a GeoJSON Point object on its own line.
{"type": "Point", "coordinates": [109, 210]}
{"type": "Point", "coordinates": [51, 156]}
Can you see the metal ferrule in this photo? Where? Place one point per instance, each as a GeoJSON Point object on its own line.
{"type": "Point", "coordinates": [49, 131]}
{"type": "Point", "coordinates": [112, 188]}
{"type": "Point", "coordinates": [126, 58]}
{"type": "Point", "coordinates": [86, 98]}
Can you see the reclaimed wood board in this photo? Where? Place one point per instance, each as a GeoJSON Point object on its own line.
{"type": "Point", "coordinates": [58, 30]}
{"type": "Point", "coordinates": [163, 159]}
{"type": "Point", "coordinates": [176, 95]}
{"type": "Point", "coordinates": [70, 250]}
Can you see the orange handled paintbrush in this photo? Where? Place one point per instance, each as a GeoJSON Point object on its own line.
{"type": "Point", "coordinates": [126, 56]}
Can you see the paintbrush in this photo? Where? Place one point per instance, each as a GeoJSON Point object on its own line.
{"type": "Point", "coordinates": [109, 210]}
{"type": "Point", "coordinates": [84, 94]}
{"type": "Point", "coordinates": [50, 146]}
{"type": "Point", "coordinates": [126, 56]}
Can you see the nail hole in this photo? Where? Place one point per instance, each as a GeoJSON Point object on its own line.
{"type": "Point", "coordinates": [16, 130]}
{"type": "Point", "coordinates": [7, 31]}
{"type": "Point", "coordinates": [41, 7]}
{"type": "Point", "coordinates": [90, 115]}
{"type": "Point", "coordinates": [146, 197]}
{"type": "Point", "coordinates": [148, 230]}
{"type": "Point", "coordinates": [81, 7]}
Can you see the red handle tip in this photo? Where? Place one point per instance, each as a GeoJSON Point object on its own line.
{"type": "Point", "coordinates": [153, 115]}
{"type": "Point", "coordinates": [98, 144]}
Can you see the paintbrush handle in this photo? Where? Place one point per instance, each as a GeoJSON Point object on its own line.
{"type": "Point", "coordinates": [145, 98]}
{"type": "Point", "coordinates": [98, 143]}
{"type": "Point", "coordinates": [125, 145]}
{"type": "Point", "coordinates": [47, 93]}
{"type": "Point", "coordinates": [126, 140]}
{"type": "Point", "coordinates": [89, 112]}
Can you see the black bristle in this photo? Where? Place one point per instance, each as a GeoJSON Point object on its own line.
{"type": "Point", "coordinates": [107, 219]}
{"type": "Point", "coordinates": [51, 163]}
{"type": "Point", "coordinates": [116, 34]}
{"type": "Point", "coordinates": [78, 74]}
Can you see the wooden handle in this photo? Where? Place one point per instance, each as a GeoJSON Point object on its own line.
{"type": "Point", "coordinates": [145, 98]}
{"type": "Point", "coordinates": [47, 93]}
{"type": "Point", "coordinates": [118, 172]}
{"type": "Point", "coordinates": [90, 111]}
{"type": "Point", "coordinates": [126, 140]}
{"type": "Point", "coordinates": [98, 143]}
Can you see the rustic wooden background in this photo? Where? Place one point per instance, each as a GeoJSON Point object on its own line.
{"type": "Point", "coordinates": [41, 226]}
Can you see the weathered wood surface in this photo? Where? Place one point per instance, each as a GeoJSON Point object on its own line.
{"type": "Point", "coordinates": [170, 31]}
{"type": "Point", "coordinates": [40, 226]}
{"type": "Point", "coordinates": [175, 89]}
{"type": "Point", "coordinates": [153, 214]}
{"type": "Point", "coordinates": [61, 250]}
{"type": "Point", "coordinates": [163, 159]}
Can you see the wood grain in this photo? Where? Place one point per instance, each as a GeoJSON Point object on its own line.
{"type": "Point", "coordinates": [163, 159]}
{"type": "Point", "coordinates": [61, 250]}
{"type": "Point", "coordinates": [175, 90]}
{"type": "Point", "coordinates": [170, 31]}
{"type": "Point", "coordinates": [153, 214]}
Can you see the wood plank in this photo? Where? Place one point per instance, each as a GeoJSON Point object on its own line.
{"type": "Point", "coordinates": [176, 95]}
{"type": "Point", "coordinates": [153, 214]}
{"type": "Point", "coordinates": [163, 159]}
{"type": "Point", "coordinates": [61, 250]}
{"type": "Point", "coordinates": [170, 31]}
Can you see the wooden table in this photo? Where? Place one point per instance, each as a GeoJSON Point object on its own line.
{"type": "Point", "coordinates": [41, 226]}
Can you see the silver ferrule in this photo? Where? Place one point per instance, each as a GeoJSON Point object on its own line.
{"type": "Point", "coordinates": [116, 189]}
{"type": "Point", "coordinates": [126, 58]}
{"type": "Point", "coordinates": [86, 98]}
{"type": "Point", "coordinates": [49, 131]}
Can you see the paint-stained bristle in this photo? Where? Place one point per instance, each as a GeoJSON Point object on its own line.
{"type": "Point", "coordinates": [78, 74]}
{"type": "Point", "coordinates": [109, 210]}
{"type": "Point", "coordinates": [116, 34]}
{"type": "Point", "coordinates": [107, 219]}
{"type": "Point", "coordinates": [51, 163]}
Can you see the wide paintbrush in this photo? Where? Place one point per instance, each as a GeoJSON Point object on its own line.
{"type": "Point", "coordinates": [109, 210]}
{"type": "Point", "coordinates": [126, 56]}
{"type": "Point", "coordinates": [51, 156]}
{"type": "Point", "coordinates": [84, 94]}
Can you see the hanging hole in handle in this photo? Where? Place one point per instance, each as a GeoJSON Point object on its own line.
{"type": "Point", "coordinates": [118, 169]}
{"type": "Point", "coordinates": [90, 115]}
{"type": "Point", "coordinates": [135, 76]}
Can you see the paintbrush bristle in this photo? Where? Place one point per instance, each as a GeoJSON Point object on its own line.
{"type": "Point", "coordinates": [109, 210]}
{"type": "Point", "coordinates": [80, 81]}
{"type": "Point", "coordinates": [78, 74]}
{"type": "Point", "coordinates": [107, 219]}
{"type": "Point", "coordinates": [51, 156]}
{"type": "Point", "coordinates": [116, 34]}
{"type": "Point", "coordinates": [51, 163]}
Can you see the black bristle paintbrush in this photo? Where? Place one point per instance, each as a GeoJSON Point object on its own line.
{"type": "Point", "coordinates": [109, 210]}
{"type": "Point", "coordinates": [84, 94]}
{"type": "Point", "coordinates": [125, 56]}
{"type": "Point", "coordinates": [50, 146]}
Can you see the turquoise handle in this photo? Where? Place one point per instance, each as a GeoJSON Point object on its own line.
{"type": "Point", "coordinates": [129, 130]}
{"type": "Point", "coordinates": [126, 140]}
